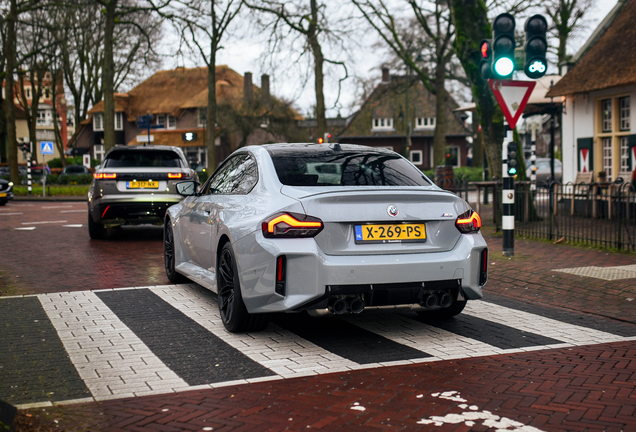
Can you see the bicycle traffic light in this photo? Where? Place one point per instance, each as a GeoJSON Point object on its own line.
{"type": "Point", "coordinates": [503, 46]}
{"type": "Point", "coordinates": [485, 64]}
{"type": "Point", "coordinates": [512, 159]}
{"type": "Point", "coordinates": [536, 47]}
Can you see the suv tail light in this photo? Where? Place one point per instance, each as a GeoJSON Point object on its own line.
{"type": "Point", "coordinates": [175, 175]}
{"type": "Point", "coordinates": [468, 222]}
{"type": "Point", "coordinates": [100, 176]}
{"type": "Point", "coordinates": [291, 225]}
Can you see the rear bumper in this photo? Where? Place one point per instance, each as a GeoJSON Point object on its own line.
{"type": "Point", "coordinates": [132, 209]}
{"type": "Point", "coordinates": [310, 275]}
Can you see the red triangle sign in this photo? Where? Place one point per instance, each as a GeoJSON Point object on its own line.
{"type": "Point", "coordinates": [512, 97]}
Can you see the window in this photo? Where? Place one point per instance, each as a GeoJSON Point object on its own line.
{"type": "Point", "coordinates": [624, 142]}
{"type": "Point", "coordinates": [28, 93]}
{"type": "Point", "coordinates": [623, 103]}
{"type": "Point", "coordinates": [143, 158]}
{"type": "Point", "coordinates": [47, 93]}
{"type": "Point", "coordinates": [203, 117]}
{"type": "Point", "coordinates": [161, 120]}
{"type": "Point", "coordinates": [237, 176]}
{"type": "Point", "coordinates": [606, 105]}
{"type": "Point", "coordinates": [607, 158]}
{"type": "Point", "coordinates": [382, 124]}
{"type": "Point", "coordinates": [425, 123]}
{"type": "Point", "coordinates": [316, 166]}
{"type": "Point", "coordinates": [98, 152]}
{"type": "Point", "coordinates": [416, 157]}
{"type": "Point", "coordinates": [452, 156]}
{"type": "Point", "coordinates": [98, 122]}
{"type": "Point", "coordinates": [41, 118]}
{"type": "Point", "coordinates": [119, 121]}
{"type": "Point", "coordinates": [172, 122]}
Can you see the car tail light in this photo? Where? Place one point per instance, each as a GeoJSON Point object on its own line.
{"type": "Point", "coordinates": [483, 267]}
{"type": "Point", "coordinates": [100, 176]}
{"type": "Point", "coordinates": [175, 175]}
{"type": "Point", "coordinates": [290, 225]}
{"type": "Point", "coordinates": [468, 222]}
{"type": "Point", "coordinates": [281, 263]}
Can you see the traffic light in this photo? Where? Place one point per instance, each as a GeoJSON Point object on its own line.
{"type": "Point", "coordinates": [503, 46]}
{"type": "Point", "coordinates": [485, 65]}
{"type": "Point", "coordinates": [512, 159]}
{"type": "Point", "coordinates": [536, 47]}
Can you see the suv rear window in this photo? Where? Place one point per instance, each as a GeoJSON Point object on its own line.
{"type": "Point", "coordinates": [142, 159]}
{"type": "Point", "coordinates": [347, 167]}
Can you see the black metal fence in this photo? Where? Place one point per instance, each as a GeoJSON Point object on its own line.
{"type": "Point", "coordinates": [596, 214]}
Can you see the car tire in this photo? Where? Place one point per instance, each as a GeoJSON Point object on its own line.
{"type": "Point", "coordinates": [169, 257]}
{"type": "Point", "coordinates": [232, 309]}
{"type": "Point", "coordinates": [96, 231]}
{"type": "Point", "coordinates": [455, 309]}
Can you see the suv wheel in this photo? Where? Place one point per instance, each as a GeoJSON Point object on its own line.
{"type": "Point", "coordinates": [96, 231]}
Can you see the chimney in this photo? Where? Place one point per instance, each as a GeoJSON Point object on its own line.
{"type": "Point", "coordinates": [385, 75]}
{"type": "Point", "coordinates": [265, 87]}
{"type": "Point", "coordinates": [248, 89]}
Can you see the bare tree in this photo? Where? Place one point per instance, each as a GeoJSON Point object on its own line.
{"type": "Point", "coordinates": [567, 18]}
{"type": "Point", "coordinates": [120, 13]}
{"type": "Point", "coordinates": [204, 25]}
{"type": "Point", "coordinates": [289, 21]}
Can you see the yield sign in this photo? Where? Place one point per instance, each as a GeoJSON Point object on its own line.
{"type": "Point", "coordinates": [512, 97]}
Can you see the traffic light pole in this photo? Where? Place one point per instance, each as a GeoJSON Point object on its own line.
{"type": "Point", "coordinates": [508, 199]}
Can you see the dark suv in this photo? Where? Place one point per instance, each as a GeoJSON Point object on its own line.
{"type": "Point", "coordinates": [135, 185]}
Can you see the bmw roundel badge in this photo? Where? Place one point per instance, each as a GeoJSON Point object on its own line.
{"type": "Point", "coordinates": [392, 210]}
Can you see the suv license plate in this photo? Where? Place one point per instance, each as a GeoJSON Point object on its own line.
{"type": "Point", "coordinates": [391, 233]}
{"type": "Point", "coordinates": [142, 185]}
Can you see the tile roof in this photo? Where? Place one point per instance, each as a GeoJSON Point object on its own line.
{"type": "Point", "coordinates": [610, 62]}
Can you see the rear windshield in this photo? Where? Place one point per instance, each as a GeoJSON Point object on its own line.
{"type": "Point", "coordinates": [142, 159]}
{"type": "Point", "coordinates": [308, 167]}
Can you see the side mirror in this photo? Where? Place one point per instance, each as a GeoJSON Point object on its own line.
{"type": "Point", "coordinates": [187, 188]}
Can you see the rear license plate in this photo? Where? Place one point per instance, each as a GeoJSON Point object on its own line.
{"type": "Point", "coordinates": [142, 185]}
{"type": "Point", "coordinates": [391, 233]}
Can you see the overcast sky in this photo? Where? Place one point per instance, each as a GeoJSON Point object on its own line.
{"type": "Point", "coordinates": [243, 53]}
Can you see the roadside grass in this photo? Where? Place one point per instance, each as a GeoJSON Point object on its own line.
{"type": "Point", "coordinates": [53, 190]}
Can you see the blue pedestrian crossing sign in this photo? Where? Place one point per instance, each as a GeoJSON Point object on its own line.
{"type": "Point", "coordinates": [46, 147]}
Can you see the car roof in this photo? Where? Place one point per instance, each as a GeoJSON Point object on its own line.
{"type": "Point", "coordinates": [320, 148]}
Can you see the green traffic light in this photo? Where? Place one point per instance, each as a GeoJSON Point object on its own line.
{"type": "Point", "coordinates": [504, 66]}
{"type": "Point", "coordinates": [512, 171]}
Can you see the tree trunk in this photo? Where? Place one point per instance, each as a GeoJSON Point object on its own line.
{"type": "Point", "coordinates": [319, 77]}
{"type": "Point", "coordinates": [9, 49]}
{"type": "Point", "coordinates": [472, 25]}
{"type": "Point", "coordinates": [108, 77]}
{"type": "Point", "coordinates": [439, 138]}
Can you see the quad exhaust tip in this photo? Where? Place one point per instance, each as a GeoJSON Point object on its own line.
{"type": "Point", "coordinates": [340, 306]}
{"type": "Point", "coordinates": [356, 305]}
{"type": "Point", "coordinates": [352, 304]}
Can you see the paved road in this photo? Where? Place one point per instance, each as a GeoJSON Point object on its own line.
{"type": "Point", "coordinates": [155, 356]}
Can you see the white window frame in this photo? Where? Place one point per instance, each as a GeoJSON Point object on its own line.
{"type": "Point", "coordinates": [201, 116]}
{"type": "Point", "coordinates": [382, 123]}
{"type": "Point", "coordinates": [99, 152]}
{"type": "Point", "coordinates": [161, 120]}
{"type": "Point", "coordinates": [420, 154]}
{"type": "Point", "coordinates": [41, 119]}
{"type": "Point", "coordinates": [624, 113]}
{"type": "Point", "coordinates": [607, 157]}
{"type": "Point", "coordinates": [425, 123]}
{"type": "Point", "coordinates": [98, 122]}
{"type": "Point", "coordinates": [172, 122]}
{"type": "Point", "coordinates": [119, 121]}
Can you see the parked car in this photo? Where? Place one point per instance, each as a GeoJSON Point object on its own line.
{"type": "Point", "coordinates": [75, 170]}
{"type": "Point", "coordinates": [4, 171]}
{"type": "Point", "coordinates": [324, 228]}
{"type": "Point", "coordinates": [135, 185]}
{"type": "Point", "coordinates": [6, 191]}
{"type": "Point", "coordinates": [543, 170]}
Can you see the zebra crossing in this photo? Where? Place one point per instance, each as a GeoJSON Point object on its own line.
{"type": "Point", "coordinates": [130, 342]}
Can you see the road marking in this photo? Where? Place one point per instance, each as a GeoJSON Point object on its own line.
{"type": "Point", "coordinates": [73, 211]}
{"type": "Point", "coordinates": [25, 229]}
{"type": "Point", "coordinates": [44, 222]}
{"type": "Point", "coordinates": [605, 273]}
{"type": "Point", "coordinates": [109, 357]}
{"type": "Point", "coordinates": [52, 207]}
{"type": "Point", "coordinates": [73, 226]}
{"type": "Point", "coordinates": [9, 214]}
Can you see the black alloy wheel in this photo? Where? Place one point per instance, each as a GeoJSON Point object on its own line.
{"type": "Point", "coordinates": [169, 258]}
{"type": "Point", "coordinates": [96, 231]}
{"type": "Point", "coordinates": [231, 306]}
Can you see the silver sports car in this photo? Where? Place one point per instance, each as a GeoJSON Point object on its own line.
{"type": "Point", "coordinates": [324, 228]}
